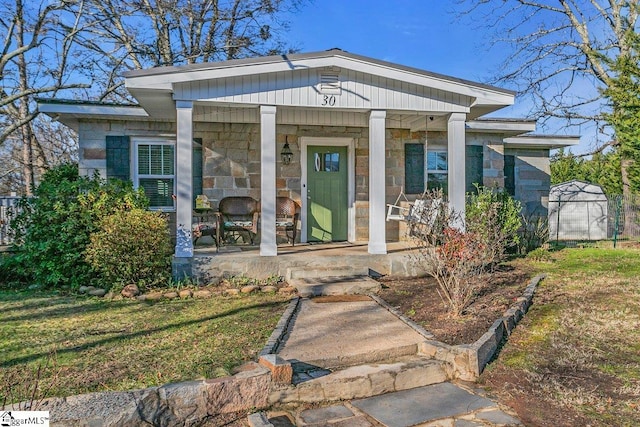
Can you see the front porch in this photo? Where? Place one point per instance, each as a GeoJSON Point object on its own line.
{"type": "Point", "coordinates": [322, 258]}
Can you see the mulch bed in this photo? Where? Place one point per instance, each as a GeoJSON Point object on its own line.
{"type": "Point", "coordinates": [418, 299]}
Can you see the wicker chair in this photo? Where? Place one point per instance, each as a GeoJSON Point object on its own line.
{"type": "Point", "coordinates": [237, 216]}
{"type": "Point", "coordinates": [287, 213]}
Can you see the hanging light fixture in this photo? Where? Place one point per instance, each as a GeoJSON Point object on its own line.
{"type": "Point", "coordinates": [286, 154]}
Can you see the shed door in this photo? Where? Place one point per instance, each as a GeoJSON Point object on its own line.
{"type": "Point", "coordinates": [327, 195]}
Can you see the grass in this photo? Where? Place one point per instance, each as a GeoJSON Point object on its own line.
{"type": "Point", "coordinates": [578, 349]}
{"type": "Point", "coordinates": [120, 345]}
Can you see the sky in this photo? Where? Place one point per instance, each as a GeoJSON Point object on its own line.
{"type": "Point", "coordinates": [425, 34]}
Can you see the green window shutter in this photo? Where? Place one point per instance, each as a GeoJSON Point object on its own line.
{"type": "Point", "coordinates": [510, 175]}
{"type": "Point", "coordinates": [474, 167]}
{"type": "Point", "coordinates": [197, 167]}
{"type": "Point", "coordinates": [118, 165]}
{"type": "Point", "coordinates": [413, 168]}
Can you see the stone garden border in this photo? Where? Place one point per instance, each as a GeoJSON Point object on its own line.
{"type": "Point", "coordinates": [469, 360]}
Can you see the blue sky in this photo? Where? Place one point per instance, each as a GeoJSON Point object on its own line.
{"type": "Point", "coordinates": [424, 34]}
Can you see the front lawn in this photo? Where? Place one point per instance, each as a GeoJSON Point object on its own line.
{"type": "Point", "coordinates": [575, 357]}
{"type": "Point", "coordinates": [104, 345]}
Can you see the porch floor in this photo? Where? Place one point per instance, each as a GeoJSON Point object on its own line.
{"type": "Point", "coordinates": [246, 260]}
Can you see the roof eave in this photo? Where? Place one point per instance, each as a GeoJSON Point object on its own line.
{"type": "Point", "coordinates": [550, 142]}
{"type": "Point", "coordinates": [69, 112]}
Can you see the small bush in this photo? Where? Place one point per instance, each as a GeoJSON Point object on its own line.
{"type": "Point", "coordinates": [458, 265]}
{"type": "Point", "coordinates": [540, 255]}
{"type": "Point", "coordinates": [494, 216]}
{"type": "Point", "coordinates": [132, 247]}
{"type": "Point", "coordinates": [53, 228]}
{"type": "Point", "coordinates": [534, 233]}
{"type": "Point", "coordinates": [457, 260]}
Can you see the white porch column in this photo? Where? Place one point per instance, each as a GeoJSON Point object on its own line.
{"type": "Point", "coordinates": [268, 246]}
{"type": "Point", "coordinates": [184, 179]}
{"type": "Point", "coordinates": [457, 160]}
{"type": "Point", "coordinates": [377, 173]}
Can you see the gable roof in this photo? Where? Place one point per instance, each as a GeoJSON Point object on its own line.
{"type": "Point", "coordinates": [290, 59]}
{"type": "Point", "coordinates": [151, 86]}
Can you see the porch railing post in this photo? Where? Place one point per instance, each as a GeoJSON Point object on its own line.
{"type": "Point", "coordinates": [184, 179]}
{"type": "Point", "coordinates": [377, 176]}
{"type": "Point", "coordinates": [456, 165]}
{"type": "Point", "coordinates": [268, 245]}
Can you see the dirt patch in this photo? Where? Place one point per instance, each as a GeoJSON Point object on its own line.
{"type": "Point", "coordinates": [519, 392]}
{"type": "Point", "coordinates": [419, 300]}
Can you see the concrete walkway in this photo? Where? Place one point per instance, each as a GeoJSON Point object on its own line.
{"type": "Point", "coordinates": [348, 330]}
{"type": "Point", "coordinates": [336, 332]}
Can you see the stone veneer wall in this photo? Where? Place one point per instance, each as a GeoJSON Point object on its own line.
{"type": "Point", "coordinates": [532, 179]}
{"type": "Point", "coordinates": [92, 137]}
{"type": "Point", "coordinates": [231, 161]}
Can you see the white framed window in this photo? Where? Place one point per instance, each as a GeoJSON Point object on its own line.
{"type": "Point", "coordinates": [155, 171]}
{"type": "Point", "coordinates": [437, 171]}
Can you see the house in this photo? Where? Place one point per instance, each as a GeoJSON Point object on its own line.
{"type": "Point", "coordinates": [359, 130]}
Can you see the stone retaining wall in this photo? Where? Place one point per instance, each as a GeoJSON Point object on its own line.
{"type": "Point", "coordinates": [187, 403]}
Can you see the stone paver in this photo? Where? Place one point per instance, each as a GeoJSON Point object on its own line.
{"type": "Point", "coordinates": [467, 423]}
{"type": "Point", "coordinates": [440, 405]}
{"type": "Point", "coordinates": [497, 417]}
{"type": "Point", "coordinates": [330, 413]}
{"type": "Point", "coordinates": [347, 333]}
{"type": "Point", "coordinates": [419, 405]}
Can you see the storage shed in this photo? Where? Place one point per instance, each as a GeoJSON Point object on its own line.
{"type": "Point", "coordinates": [577, 211]}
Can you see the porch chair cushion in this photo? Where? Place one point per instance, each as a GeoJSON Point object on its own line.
{"type": "Point", "coordinates": [238, 214]}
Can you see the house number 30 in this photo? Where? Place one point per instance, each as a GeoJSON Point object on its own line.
{"type": "Point", "coordinates": [329, 100]}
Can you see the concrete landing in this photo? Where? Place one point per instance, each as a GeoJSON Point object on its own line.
{"type": "Point", "coordinates": [336, 285]}
{"type": "Point", "coordinates": [350, 330]}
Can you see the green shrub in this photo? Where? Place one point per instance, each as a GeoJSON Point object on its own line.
{"type": "Point", "coordinates": [53, 229]}
{"type": "Point", "coordinates": [539, 254]}
{"type": "Point", "coordinates": [495, 217]}
{"type": "Point", "coordinates": [534, 233]}
{"type": "Point", "coordinates": [132, 247]}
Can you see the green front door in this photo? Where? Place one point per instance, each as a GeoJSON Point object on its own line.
{"type": "Point", "coordinates": [327, 193]}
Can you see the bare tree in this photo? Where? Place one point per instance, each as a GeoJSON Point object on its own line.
{"type": "Point", "coordinates": [561, 53]}
{"type": "Point", "coordinates": [36, 60]}
{"type": "Point", "coordinates": [135, 34]}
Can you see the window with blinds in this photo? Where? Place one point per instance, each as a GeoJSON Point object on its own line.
{"type": "Point", "coordinates": [437, 171]}
{"type": "Point", "coordinates": [420, 169]}
{"type": "Point", "coordinates": [156, 173]}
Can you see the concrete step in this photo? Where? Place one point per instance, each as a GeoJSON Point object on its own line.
{"type": "Point", "coordinates": [335, 285]}
{"type": "Point", "coordinates": [365, 381]}
{"type": "Point", "coordinates": [365, 357]}
{"type": "Point", "coordinates": [325, 271]}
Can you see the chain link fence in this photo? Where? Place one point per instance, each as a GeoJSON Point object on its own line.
{"type": "Point", "coordinates": [594, 218]}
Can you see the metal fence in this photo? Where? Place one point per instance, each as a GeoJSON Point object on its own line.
{"type": "Point", "coordinates": [610, 218]}
{"type": "Point", "coordinates": [8, 210]}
